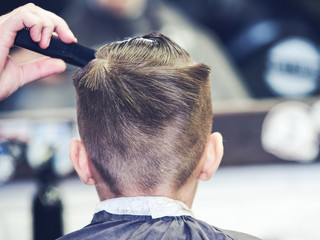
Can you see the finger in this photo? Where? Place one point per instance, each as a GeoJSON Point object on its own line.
{"type": "Point", "coordinates": [41, 68]}
{"type": "Point", "coordinates": [18, 18]}
{"type": "Point", "coordinates": [10, 25]}
{"type": "Point", "coordinates": [33, 17]}
{"type": "Point", "coordinates": [46, 35]}
{"type": "Point", "coordinates": [9, 79]}
{"type": "Point", "coordinates": [8, 30]}
{"type": "Point", "coordinates": [35, 24]}
{"type": "Point", "coordinates": [41, 23]}
{"type": "Point", "coordinates": [25, 8]}
{"type": "Point", "coordinates": [62, 28]}
{"type": "Point", "coordinates": [48, 26]}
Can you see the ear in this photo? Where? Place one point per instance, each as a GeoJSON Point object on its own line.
{"type": "Point", "coordinates": [211, 157]}
{"type": "Point", "coordinates": [81, 162]}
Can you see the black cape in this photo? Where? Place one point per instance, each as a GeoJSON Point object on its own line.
{"type": "Point", "coordinates": [112, 226]}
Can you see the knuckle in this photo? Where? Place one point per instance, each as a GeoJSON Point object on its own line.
{"type": "Point", "coordinates": [49, 25]}
{"type": "Point", "coordinates": [28, 6]}
{"type": "Point", "coordinates": [25, 8]}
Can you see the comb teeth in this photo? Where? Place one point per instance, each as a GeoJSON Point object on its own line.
{"type": "Point", "coordinates": [73, 53]}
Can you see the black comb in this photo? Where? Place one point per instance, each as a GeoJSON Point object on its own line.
{"type": "Point", "coordinates": [72, 53]}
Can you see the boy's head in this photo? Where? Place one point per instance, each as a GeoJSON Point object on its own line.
{"type": "Point", "coordinates": [144, 114]}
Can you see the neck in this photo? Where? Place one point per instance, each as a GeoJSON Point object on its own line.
{"type": "Point", "coordinates": [156, 207]}
{"type": "Point", "coordinates": [185, 194]}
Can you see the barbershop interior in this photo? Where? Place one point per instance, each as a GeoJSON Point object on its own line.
{"type": "Point", "coordinates": [265, 86]}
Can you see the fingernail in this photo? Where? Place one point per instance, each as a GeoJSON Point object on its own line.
{"type": "Point", "coordinates": [72, 36]}
{"type": "Point", "coordinates": [46, 44]}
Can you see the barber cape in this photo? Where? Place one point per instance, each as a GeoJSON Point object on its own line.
{"type": "Point", "coordinates": [149, 218]}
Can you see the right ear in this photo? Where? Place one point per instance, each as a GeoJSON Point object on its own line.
{"type": "Point", "coordinates": [212, 156]}
{"type": "Point", "coordinates": [81, 161]}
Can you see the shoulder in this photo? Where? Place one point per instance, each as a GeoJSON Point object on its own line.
{"type": "Point", "coordinates": [229, 234]}
{"type": "Point", "coordinates": [239, 235]}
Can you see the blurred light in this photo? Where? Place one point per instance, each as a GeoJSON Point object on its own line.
{"type": "Point", "coordinates": [316, 114]}
{"type": "Point", "coordinates": [293, 67]}
{"type": "Point", "coordinates": [7, 165]}
{"type": "Point", "coordinates": [261, 33]}
{"type": "Point", "coordinates": [289, 132]}
{"type": "Point", "coordinates": [38, 152]}
{"type": "Point", "coordinates": [51, 137]}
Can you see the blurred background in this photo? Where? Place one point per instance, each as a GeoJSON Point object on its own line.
{"type": "Point", "coordinates": [265, 63]}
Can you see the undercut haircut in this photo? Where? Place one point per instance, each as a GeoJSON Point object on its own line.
{"type": "Point", "coordinates": [144, 113]}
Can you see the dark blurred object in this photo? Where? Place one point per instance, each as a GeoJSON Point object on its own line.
{"type": "Point", "coordinates": [54, 6]}
{"type": "Point", "coordinates": [274, 43]}
{"type": "Point", "coordinates": [47, 206]}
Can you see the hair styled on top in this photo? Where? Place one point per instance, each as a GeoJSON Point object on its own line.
{"type": "Point", "coordinates": [144, 113]}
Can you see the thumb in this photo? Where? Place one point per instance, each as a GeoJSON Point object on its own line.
{"type": "Point", "coordinates": [40, 68]}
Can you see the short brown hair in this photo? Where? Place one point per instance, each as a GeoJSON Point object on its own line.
{"type": "Point", "coordinates": [144, 113]}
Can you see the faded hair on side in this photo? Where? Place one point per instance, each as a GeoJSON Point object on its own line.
{"type": "Point", "coordinates": [144, 113]}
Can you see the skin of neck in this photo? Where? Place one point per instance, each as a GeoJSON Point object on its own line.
{"type": "Point", "coordinates": [185, 194]}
